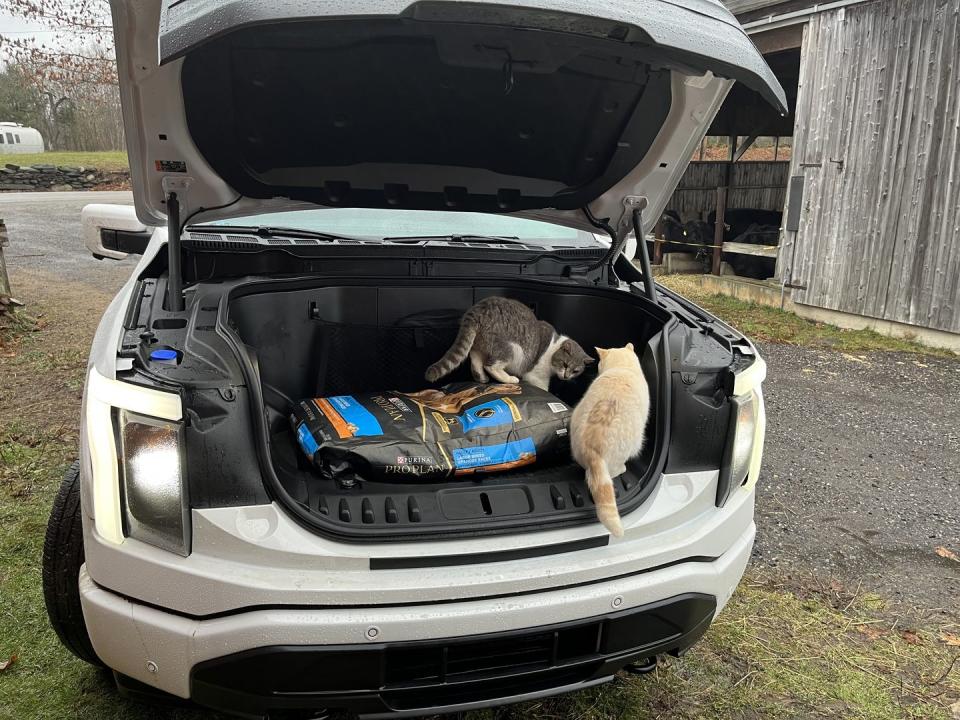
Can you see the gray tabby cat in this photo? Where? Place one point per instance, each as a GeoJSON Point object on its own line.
{"type": "Point", "coordinates": [505, 341]}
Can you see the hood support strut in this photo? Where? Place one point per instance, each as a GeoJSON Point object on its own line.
{"type": "Point", "coordinates": [648, 283]}
{"type": "Point", "coordinates": [174, 272]}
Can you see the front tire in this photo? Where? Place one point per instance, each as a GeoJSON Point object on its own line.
{"type": "Point", "coordinates": [62, 558]}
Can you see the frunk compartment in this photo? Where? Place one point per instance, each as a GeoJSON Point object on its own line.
{"type": "Point", "coordinates": [394, 352]}
{"type": "Point", "coordinates": [310, 340]}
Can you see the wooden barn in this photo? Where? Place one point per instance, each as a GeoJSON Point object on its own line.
{"type": "Point", "coordinates": [863, 180]}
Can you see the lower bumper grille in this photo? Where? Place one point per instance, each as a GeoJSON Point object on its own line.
{"type": "Point", "coordinates": [443, 675]}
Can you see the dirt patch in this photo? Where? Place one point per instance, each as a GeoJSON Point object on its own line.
{"type": "Point", "coordinates": [42, 364]}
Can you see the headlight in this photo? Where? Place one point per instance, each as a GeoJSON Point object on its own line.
{"type": "Point", "coordinates": [741, 459]}
{"type": "Point", "coordinates": [745, 417]}
{"type": "Point", "coordinates": [155, 504]}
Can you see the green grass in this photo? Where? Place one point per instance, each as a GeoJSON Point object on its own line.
{"type": "Point", "coordinates": [804, 650]}
{"type": "Point", "coordinates": [108, 160]}
{"type": "Point", "coordinates": [768, 324]}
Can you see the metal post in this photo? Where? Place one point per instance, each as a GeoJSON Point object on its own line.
{"type": "Point", "coordinates": [718, 228]}
{"type": "Point", "coordinates": [4, 278]}
{"type": "Point", "coordinates": [174, 271]}
{"type": "Point", "coordinates": [720, 223]}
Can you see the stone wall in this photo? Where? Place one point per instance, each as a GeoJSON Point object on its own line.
{"type": "Point", "coordinates": [56, 178]}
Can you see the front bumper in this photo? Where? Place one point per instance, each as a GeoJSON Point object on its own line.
{"type": "Point", "coordinates": [450, 675]}
{"type": "Point", "coordinates": [250, 557]}
{"type": "Point", "coordinates": [181, 655]}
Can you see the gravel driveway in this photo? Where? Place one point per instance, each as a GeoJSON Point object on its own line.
{"type": "Point", "coordinates": [861, 478]}
{"type": "Point", "coordinates": [44, 231]}
{"type": "Point", "coordinates": [861, 473]}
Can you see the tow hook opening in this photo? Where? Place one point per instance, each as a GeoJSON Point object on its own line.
{"type": "Point", "coordinates": [642, 667]}
{"type": "Point", "coordinates": [320, 714]}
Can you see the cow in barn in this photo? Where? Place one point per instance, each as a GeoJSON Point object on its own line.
{"type": "Point", "coordinates": [672, 229]}
{"type": "Point", "coordinates": [699, 236]}
{"type": "Point", "coordinates": [738, 220]}
{"type": "Point", "coordinates": [672, 232]}
{"type": "Point", "coordinates": [756, 227]}
{"type": "Point", "coordinates": [753, 266]}
{"type": "Point", "coordinates": [688, 237]}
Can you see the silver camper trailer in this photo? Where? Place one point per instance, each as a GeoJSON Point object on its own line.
{"type": "Point", "coordinates": [16, 139]}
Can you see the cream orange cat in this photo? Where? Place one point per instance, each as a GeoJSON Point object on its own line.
{"type": "Point", "coordinates": [607, 427]}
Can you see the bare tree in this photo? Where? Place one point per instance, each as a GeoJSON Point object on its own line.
{"type": "Point", "coordinates": [76, 24]}
{"type": "Point", "coordinates": [72, 71]}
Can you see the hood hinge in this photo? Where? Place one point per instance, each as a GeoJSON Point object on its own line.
{"type": "Point", "coordinates": [630, 219]}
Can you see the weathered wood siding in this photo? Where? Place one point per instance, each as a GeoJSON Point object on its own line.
{"type": "Point", "coordinates": [878, 141]}
{"type": "Point", "coordinates": [758, 185]}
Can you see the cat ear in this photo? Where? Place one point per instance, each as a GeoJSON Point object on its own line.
{"type": "Point", "coordinates": [588, 360]}
{"type": "Point", "coordinates": [630, 347]}
{"type": "Point", "coordinates": [600, 352]}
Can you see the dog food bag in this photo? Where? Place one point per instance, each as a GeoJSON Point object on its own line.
{"type": "Point", "coordinates": [460, 429]}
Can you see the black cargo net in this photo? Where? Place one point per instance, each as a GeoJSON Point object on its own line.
{"type": "Point", "coordinates": [353, 358]}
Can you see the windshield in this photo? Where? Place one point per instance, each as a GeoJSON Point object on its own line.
{"type": "Point", "coordinates": [379, 224]}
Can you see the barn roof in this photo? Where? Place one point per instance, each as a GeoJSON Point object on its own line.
{"type": "Point", "coordinates": [741, 7]}
{"type": "Point", "coordinates": [751, 10]}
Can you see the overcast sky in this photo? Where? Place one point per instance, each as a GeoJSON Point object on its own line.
{"type": "Point", "coordinates": [21, 29]}
{"type": "Point", "coordinates": [18, 27]}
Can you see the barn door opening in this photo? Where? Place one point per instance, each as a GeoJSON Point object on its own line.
{"type": "Point", "coordinates": [727, 214]}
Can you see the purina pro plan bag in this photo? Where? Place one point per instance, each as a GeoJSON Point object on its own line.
{"type": "Point", "coordinates": [460, 429]}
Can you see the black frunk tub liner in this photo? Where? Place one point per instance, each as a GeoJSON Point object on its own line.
{"type": "Point", "coordinates": [461, 429]}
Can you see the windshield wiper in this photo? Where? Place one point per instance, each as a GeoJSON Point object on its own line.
{"type": "Point", "coordinates": [266, 231]}
{"type": "Point", "coordinates": [484, 239]}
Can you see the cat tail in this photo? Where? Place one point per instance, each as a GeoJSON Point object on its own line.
{"type": "Point", "coordinates": [457, 353]}
{"type": "Point", "coordinates": [604, 497]}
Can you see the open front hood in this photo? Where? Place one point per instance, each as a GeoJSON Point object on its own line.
{"type": "Point", "coordinates": [534, 107]}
